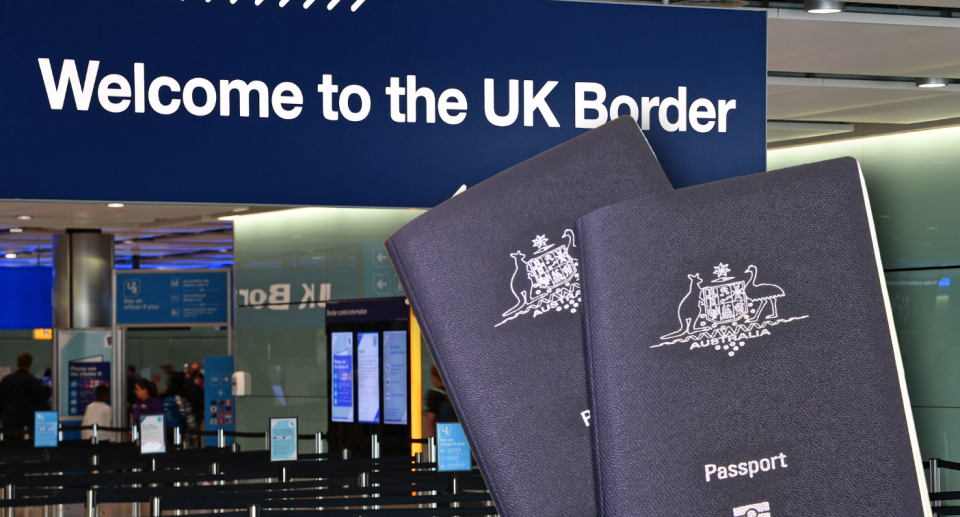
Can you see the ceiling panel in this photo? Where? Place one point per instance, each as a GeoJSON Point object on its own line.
{"type": "Point", "coordinates": [919, 3]}
{"type": "Point", "coordinates": [863, 48]}
{"type": "Point", "coordinates": [860, 104]}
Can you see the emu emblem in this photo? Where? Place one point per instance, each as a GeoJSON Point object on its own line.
{"type": "Point", "coordinates": [725, 315]}
{"type": "Point", "coordinates": [551, 283]}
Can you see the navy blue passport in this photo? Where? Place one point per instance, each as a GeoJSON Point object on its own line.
{"type": "Point", "coordinates": [492, 276]}
{"type": "Point", "coordinates": [741, 353]}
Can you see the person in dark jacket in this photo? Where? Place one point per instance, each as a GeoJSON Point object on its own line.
{"type": "Point", "coordinates": [20, 395]}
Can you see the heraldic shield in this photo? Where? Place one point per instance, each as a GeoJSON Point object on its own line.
{"type": "Point", "coordinates": [550, 270]}
{"type": "Point", "coordinates": [724, 303]}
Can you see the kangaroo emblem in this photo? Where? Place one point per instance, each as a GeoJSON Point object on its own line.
{"type": "Point", "coordinates": [689, 311]}
{"type": "Point", "coordinates": [726, 313]}
{"type": "Point", "coordinates": [552, 280]}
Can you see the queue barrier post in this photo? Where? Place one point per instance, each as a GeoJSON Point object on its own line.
{"type": "Point", "coordinates": [177, 437]}
{"type": "Point", "coordinates": [432, 449]}
{"type": "Point", "coordinates": [135, 509]}
{"type": "Point", "coordinates": [155, 510]}
{"type": "Point", "coordinates": [95, 435]}
{"type": "Point", "coordinates": [253, 511]}
{"type": "Point", "coordinates": [364, 482]}
{"type": "Point", "coordinates": [221, 439]}
{"type": "Point", "coordinates": [91, 505]}
{"type": "Point", "coordinates": [935, 479]}
{"type": "Point", "coordinates": [455, 489]}
{"type": "Point", "coordinates": [345, 453]}
{"type": "Point", "coordinates": [9, 493]}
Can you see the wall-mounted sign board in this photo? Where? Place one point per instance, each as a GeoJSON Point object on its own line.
{"type": "Point", "coordinates": [395, 104]}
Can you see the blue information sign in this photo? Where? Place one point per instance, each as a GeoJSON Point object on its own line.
{"type": "Point", "coordinates": [45, 431]}
{"type": "Point", "coordinates": [218, 395]}
{"type": "Point", "coordinates": [173, 297]}
{"type": "Point", "coordinates": [396, 103]}
{"type": "Point", "coordinates": [283, 439]}
{"type": "Point", "coordinates": [453, 451]}
{"type": "Point", "coordinates": [84, 376]}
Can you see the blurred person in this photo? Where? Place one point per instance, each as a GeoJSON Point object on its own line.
{"type": "Point", "coordinates": [146, 402]}
{"type": "Point", "coordinates": [20, 395]}
{"type": "Point", "coordinates": [193, 392]}
{"type": "Point", "coordinates": [177, 410]}
{"type": "Point", "coordinates": [173, 376]}
{"type": "Point", "coordinates": [98, 412]}
{"type": "Point", "coordinates": [439, 407]}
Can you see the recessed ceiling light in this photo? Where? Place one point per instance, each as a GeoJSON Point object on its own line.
{"type": "Point", "coordinates": [24, 217]}
{"type": "Point", "coordinates": [931, 227]}
{"type": "Point", "coordinates": [128, 241]}
{"type": "Point", "coordinates": [114, 205]}
{"type": "Point", "coordinates": [931, 82]}
{"type": "Point", "coordinates": [884, 216]}
{"type": "Point", "coordinates": [228, 218]}
{"type": "Point", "coordinates": [16, 230]}
{"type": "Point", "coordinates": [823, 6]}
{"type": "Point", "coordinates": [11, 255]}
{"type": "Point", "coordinates": [224, 251]}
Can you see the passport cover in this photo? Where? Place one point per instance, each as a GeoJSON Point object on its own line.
{"type": "Point", "coordinates": [493, 280]}
{"type": "Point", "coordinates": [741, 353]}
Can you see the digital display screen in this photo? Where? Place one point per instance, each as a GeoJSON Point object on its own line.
{"type": "Point", "coordinates": [368, 377]}
{"type": "Point", "coordinates": [395, 404]}
{"type": "Point", "coordinates": [341, 377]}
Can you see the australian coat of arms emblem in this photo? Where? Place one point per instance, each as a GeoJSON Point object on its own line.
{"type": "Point", "coordinates": [726, 313]}
{"type": "Point", "coordinates": [551, 281]}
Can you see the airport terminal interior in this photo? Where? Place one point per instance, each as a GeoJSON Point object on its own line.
{"type": "Point", "coordinates": [252, 303]}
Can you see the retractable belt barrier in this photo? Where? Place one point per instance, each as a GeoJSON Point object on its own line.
{"type": "Point", "coordinates": [937, 496]}
{"type": "Point", "coordinates": [230, 482]}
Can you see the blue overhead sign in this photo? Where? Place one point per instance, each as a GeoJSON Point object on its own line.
{"type": "Point", "coordinates": [396, 104]}
{"type": "Point", "coordinates": [173, 297]}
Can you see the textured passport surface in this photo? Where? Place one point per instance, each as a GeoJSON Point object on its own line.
{"type": "Point", "coordinates": [492, 276]}
{"type": "Point", "coordinates": [741, 354]}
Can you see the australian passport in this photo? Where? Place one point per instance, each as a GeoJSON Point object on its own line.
{"type": "Point", "coordinates": [741, 353]}
{"type": "Point", "coordinates": [492, 276]}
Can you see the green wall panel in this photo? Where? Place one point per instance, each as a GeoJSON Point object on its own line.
{"type": "Point", "coordinates": [913, 180]}
{"type": "Point", "coordinates": [16, 342]}
{"type": "Point", "coordinates": [287, 264]}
